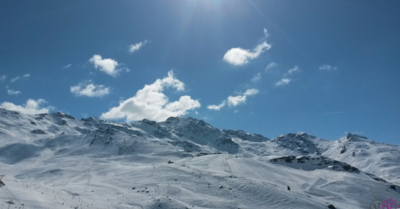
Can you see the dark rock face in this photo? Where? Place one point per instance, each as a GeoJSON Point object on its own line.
{"type": "Point", "coordinates": [172, 120]}
{"type": "Point", "coordinates": [375, 177]}
{"type": "Point", "coordinates": [225, 143]}
{"type": "Point", "coordinates": [38, 131]}
{"type": "Point", "coordinates": [102, 136]}
{"type": "Point", "coordinates": [245, 136]}
{"type": "Point", "coordinates": [331, 207]}
{"type": "Point", "coordinates": [62, 115]}
{"type": "Point", "coordinates": [186, 145]}
{"type": "Point", "coordinates": [317, 162]}
{"type": "Point", "coordinates": [299, 142]}
{"type": "Point", "coordinates": [343, 150]}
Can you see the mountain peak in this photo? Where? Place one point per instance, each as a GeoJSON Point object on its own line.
{"type": "Point", "coordinates": [300, 142]}
{"type": "Point", "coordinates": [354, 138]}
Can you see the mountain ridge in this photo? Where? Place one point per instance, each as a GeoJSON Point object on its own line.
{"type": "Point", "coordinates": [190, 156]}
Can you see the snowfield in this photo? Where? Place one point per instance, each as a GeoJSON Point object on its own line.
{"type": "Point", "coordinates": [56, 161]}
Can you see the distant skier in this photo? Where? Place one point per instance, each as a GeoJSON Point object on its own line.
{"type": "Point", "coordinates": [288, 188]}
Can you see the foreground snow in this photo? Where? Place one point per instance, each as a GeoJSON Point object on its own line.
{"type": "Point", "coordinates": [56, 161]}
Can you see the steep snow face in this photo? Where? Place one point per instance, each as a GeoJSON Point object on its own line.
{"type": "Point", "coordinates": [56, 161]}
{"type": "Point", "coordinates": [383, 160]}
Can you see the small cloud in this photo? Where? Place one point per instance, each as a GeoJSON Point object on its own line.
{"type": "Point", "coordinates": [108, 66]}
{"type": "Point", "coordinates": [283, 81]}
{"type": "Point", "coordinates": [216, 107]}
{"type": "Point", "coordinates": [89, 89]}
{"type": "Point", "coordinates": [234, 100]}
{"type": "Point", "coordinates": [286, 80]}
{"type": "Point", "coordinates": [250, 92]}
{"type": "Point", "coordinates": [236, 111]}
{"type": "Point", "coordinates": [3, 78]}
{"type": "Point", "coordinates": [31, 107]}
{"type": "Point", "coordinates": [293, 70]}
{"type": "Point", "coordinates": [239, 56]}
{"type": "Point", "coordinates": [266, 33]}
{"type": "Point", "coordinates": [240, 99]}
{"type": "Point", "coordinates": [327, 67]}
{"type": "Point", "coordinates": [26, 76]}
{"type": "Point", "coordinates": [137, 46]}
{"type": "Point", "coordinates": [13, 92]}
{"type": "Point", "coordinates": [270, 66]}
{"type": "Point", "coordinates": [151, 103]}
{"type": "Point", "coordinates": [67, 66]}
{"type": "Point", "coordinates": [14, 79]}
{"type": "Point", "coordinates": [256, 78]}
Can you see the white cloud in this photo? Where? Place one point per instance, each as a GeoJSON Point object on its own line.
{"type": "Point", "coordinates": [327, 67]}
{"type": "Point", "coordinates": [216, 107]}
{"type": "Point", "coordinates": [293, 70]}
{"type": "Point", "coordinates": [31, 107]}
{"type": "Point", "coordinates": [234, 100]}
{"type": "Point", "coordinates": [250, 92]}
{"type": "Point", "coordinates": [108, 66]}
{"type": "Point", "coordinates": [239, 56]}
{"type": "Point", "coordinates": [17, 78]}
{"type": "Point", "coordinates": [283, 81]}
{"type": "Point", "coordinates": [67, 66]}
{"type": "Point", "coordinates": [266, 33]}
{"type": "Point", "coordinates": [14, 79]}
{"type": "Point", "coordinates": [256, 78]}
{"type": "Point", "coordinates": [89, 89]}
{"type": "Point", "coordinates": [13, 92]}
{"type": "Point", "coordinates": [236, 111]}
{"type": "Point", "coordinates": [286, 80]}
{"type": "Point", "coordinates": [152, 104]}
{"type": "Point", "coordinates": [3, 78]}
{"type": "Point", "coordinates": [271, 65]}
{"type": "Point", "coordinates": [137, 46]}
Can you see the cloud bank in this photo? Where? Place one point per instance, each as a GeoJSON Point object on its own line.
{"type": "Point", "coordinates": [31, 107]}
{"type": "Point", "coordinates": [151, 103]}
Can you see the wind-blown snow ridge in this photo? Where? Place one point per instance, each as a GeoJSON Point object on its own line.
{"type": "Point", "coordinates": [57, 161]}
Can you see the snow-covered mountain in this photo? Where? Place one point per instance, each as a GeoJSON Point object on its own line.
{"type": "Point", "coordinates": [57, 161]}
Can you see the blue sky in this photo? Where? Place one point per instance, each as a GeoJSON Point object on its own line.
{"type": "Point", "coordinates": [268, 67]}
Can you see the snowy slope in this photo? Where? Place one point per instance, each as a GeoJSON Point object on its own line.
{"type": "Point", "coordinates": [57, 161]}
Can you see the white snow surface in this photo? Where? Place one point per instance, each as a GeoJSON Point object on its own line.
{"type": "Point", "coordinates": [56, 161]}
